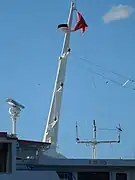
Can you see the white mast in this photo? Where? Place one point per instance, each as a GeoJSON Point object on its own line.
{"type": "Point", "coordinates": [51, 130]}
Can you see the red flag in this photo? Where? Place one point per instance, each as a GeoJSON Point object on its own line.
{"type": "Point", "coordinates": [81, 24]}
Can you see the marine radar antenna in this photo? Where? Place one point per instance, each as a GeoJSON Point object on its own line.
{"type": "Point", "coordinates": [14, 111]}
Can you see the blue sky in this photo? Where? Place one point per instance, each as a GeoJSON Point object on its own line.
{"type": "Point", "coordinates": [29, 48]}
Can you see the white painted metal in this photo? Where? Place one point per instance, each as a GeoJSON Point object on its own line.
{"type": "Point", "coordinates": [14, 111]}
{"type": "Point", "coordinates": [51, 130]}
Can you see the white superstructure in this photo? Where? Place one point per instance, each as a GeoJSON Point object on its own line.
{"type": "Point", "coordinates": [22, 159]}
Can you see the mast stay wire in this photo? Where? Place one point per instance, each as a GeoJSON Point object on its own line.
{"type": "Point", "coordinates": [107, 78]}
{"type": "Point", "coordinates": [104, 77]}
{"type": "Point", "coordinates": [108, 70]}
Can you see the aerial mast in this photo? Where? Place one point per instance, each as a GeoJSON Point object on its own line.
{"type": "Point", "coordinates": [51, 130]}
{"type": "Point", "coordinates": [95, 142]}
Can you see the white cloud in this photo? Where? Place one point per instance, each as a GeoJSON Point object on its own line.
{"type": "Point", "coordinates": [117, 13]}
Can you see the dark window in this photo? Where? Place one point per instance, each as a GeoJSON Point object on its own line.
{"type": "Point", "coordinates": [121, 176]}
{"type": "Point", "coordinates": [5, 157]}
{"type": "Point", "coordinates": [93, 176]}
{"type": "Point", "coordinates": [65, 175]}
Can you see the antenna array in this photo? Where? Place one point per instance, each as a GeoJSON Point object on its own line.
{"type": "Point", "coordinates": [94, 142]}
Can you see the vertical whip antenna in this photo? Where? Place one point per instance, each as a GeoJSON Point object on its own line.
{"type": "Point", "coordinates": [77, 137]}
